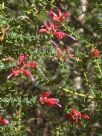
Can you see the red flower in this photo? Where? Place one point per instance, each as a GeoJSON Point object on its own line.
{"type": "Point", "coordinates": [45, 94]}
{"type": "Point", "coordinates": [3, 121]}
{"type": "Point", "coordinates": [84, 116]}
{"type": "Point", "coordinates": [22, 58]}
{"type": "Point", "coordinates": [52, 30]}
{"type": "Point", "coordinates": [76, 116]}
{"type": "Point", "coordinates": [21, 67]}
{"type": "Point", "coordinates": [52, 102]}
{"type": "Point", "coordinates": [44, 99]}
{"type": "Point", "coordinates": [26, 72]}
{"type": "Point", "coordinates": [59, 16]}
{"type": "Point", "coordinates": [95, 53]}
{"type": "Point", "coordinates": [48, 27]}
{"type": "Point", "coordinates": [59, 34]}
{"type": "Point", "coordinates": [16, 72]}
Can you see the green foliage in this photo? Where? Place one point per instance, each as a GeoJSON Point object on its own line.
{"type": "Point", "coordinates": [19, 95]}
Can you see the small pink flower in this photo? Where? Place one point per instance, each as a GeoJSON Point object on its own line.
{"type": "Point", "coordinates": [76, 116]}
{"type": "Point", "coordinates": [3, 121]}
{"type": "Point", "coordinates": [95, 53]}
{"type": "Point", "coordinates": [45, 98]}
{"type": "Point", "coordinates": [59, 16]}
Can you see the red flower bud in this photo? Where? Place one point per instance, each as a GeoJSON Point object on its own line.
{"type": "Point", "coordinates": [95, 53]}
{"type": "Point", "coordinates": [3, 121]}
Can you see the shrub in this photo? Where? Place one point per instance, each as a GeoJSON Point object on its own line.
{"type": "Point", "coordinates": [50, 68]}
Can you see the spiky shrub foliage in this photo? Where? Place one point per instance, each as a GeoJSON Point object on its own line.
{"type": "Point", "coordinates": [20, 22]}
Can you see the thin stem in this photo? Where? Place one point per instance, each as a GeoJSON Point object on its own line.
{"type": "Point", "coordinates": [78, 94]}
{"type": "Point", "coordinates": [99, 68]}
{"type": "Point", "coordinates": [87, 79]}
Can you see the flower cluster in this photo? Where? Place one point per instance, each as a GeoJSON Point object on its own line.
{"type": "Point", "coordinates": [74, 117]}
{"type": "Point", "coordinates": [52, 28]}
{"type": "Point", "coordinates": [22, 66]}
{"type": "Point", "coordinates": [59, 16]}
{"type": "Point", "coordinates": [46, 97]}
